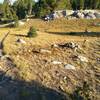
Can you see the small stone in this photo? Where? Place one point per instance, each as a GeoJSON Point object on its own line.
{"type": "Point", "coordinates": [71, 45]}
{"type": "Point", "coordinates": [56, 62]}
{"type": "Point", "coordinates": [65, 78]}
{"type": "Point", "coordinates": [8, 57]}
{"type": "Point", "coordinates": [83, 59]}
{"type": "Point", "coordinates": [62, 88]}
{"type": "Point", "coordinates": [69, 66]}
{"type": "Point", "coordinates": [55, 46]}
{"type": "Point", "coordinates": [45, 51]}
{"type": "Point", "coordinates": [21, 23]}
{"type": "Point", "coordinates": [21, 41]}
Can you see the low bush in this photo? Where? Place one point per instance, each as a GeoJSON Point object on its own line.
{"type": "Point", "coordinates": [32, 32]}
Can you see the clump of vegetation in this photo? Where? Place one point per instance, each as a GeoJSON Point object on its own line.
{"type": "Point", "coordinates": [16, 24]}
{"type": "Point", "coordinates": [83, 93]}
{"type": "Point", "coordinates": [32, 32]}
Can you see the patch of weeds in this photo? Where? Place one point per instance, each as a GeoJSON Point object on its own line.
{"type": "Point", "coordinates": [83, 93]}
{"type": "Point", "coordinates": [32, 32]}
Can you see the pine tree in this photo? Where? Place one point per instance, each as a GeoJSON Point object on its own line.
{"type": "Point", "coordinates": [81, 4]}
{"type": "Point", "coordinates": [7, 9]}
{"type": "Point", "coordinates": [96, 4]}
{"type": "Point", "coordinates": [65, 4]}
{"type": "Point", "coordinates": [74, 4]}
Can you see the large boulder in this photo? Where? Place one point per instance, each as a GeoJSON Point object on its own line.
{"type": "Point", "coordinates": [97, 15]}
{"type": "Point", "coordinates": [74, 14]}
{"type": "Point", "coordinates": [80, 15]}
{"type": "Point", "coordinates": [89, 15]}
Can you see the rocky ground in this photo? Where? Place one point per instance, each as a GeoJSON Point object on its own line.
{"type": "Point", "coordinates": [51, 72]}
{"type": "Point", "coordinates": [56, 65]}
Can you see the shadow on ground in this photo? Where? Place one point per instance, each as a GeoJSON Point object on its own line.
{"type": "Point", "coordinates": [11, 89]}
{"type": "Point", "coordinates": [20, 35]}
{"type": "Point", "coordinates": [92, 34]}
{"type": "Point", "coordinates": [16, 89]}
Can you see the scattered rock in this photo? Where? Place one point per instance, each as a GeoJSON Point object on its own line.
{"type": "Point", "coordinates": [97, 15]}
{"type": "Point", "coordinates": [80, 15]}
{"type": "Point", "coordinates": [71, 45]}
{"type": "Point", "coordinates": [6, 57]}
{"type": "Point", "coordinates": [74, 57]}
{"type": "Point", "coordinates": [35, 51]}
{"type": "Point", "coordinates": [54, 46]}
{"type": "Point", "coordinates": [21, 41]}
{"type": "Point", "coordinates": [21, 23]}
{"type": "Point", "coordinates": [45, 51]}
{"type": "Point", "coordinates": [90, 15]}
{"type": "Point", "coordinates": [69, 66]}
{"type": "Point", "coordinates": [83, 59]}
{"type": "Point", "coordinates": [70, 14]}
{"type": "Point", "coordinates": [56, 62]}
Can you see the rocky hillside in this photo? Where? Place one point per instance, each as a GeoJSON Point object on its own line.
{"type": "Point", "coordinates": [62, 67]}
{"type": "Point", "coordinates": [61, 63]}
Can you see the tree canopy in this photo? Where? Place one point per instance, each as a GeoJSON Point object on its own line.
{"type": "Point", "coordinates": [21, 8]}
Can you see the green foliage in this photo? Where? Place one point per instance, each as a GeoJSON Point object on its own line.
{"type": "Point", "coordinates": [74, 4]}
{"type": "Point", "coordinates": [7, 10]}
{"type": "Point", "coordinates": [44, 7]}
{"type": "Point", "coordinates": [32, 32]}
{"type": "Point", "coordinates": [16, 24]}
{"type": "Point", "coordinates": [22, 8]}
{"type": "Point", "coordinates": [66, 4]}
{"type": "Point", "coordinates": [81, 2]}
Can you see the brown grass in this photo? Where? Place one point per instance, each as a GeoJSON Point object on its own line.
{"type": "Point", "coordinates": [33, 67]}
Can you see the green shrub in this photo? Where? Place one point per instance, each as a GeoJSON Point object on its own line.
{"type": "Point", "coordinates": [32, 32]}
{"type": "Point", "coordinates": [16, 24]}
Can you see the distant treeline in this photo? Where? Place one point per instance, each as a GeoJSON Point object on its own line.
{"type": "Point", "coordinates": [21, 8]}
{"type": "Point", "coordinates": [46, 6]}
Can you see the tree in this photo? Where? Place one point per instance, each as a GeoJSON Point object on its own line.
{"type": "Point", "coordinates": [81, 4]}
{"type": "Point", "coordinates": [65, 4]}
{"type": "Point", "coordinates": [23, 8]}
{"type": "Point", "coordinates": [42, 8]}
{"type": "Point", "coordinates": [94, 4]}
{"type": "Point", "coordinates": [7, 9]}
{"type": "Point", "coordinates": [74, 4]}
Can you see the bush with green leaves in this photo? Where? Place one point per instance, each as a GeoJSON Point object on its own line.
{"type": "Point", "coordinates": [32, 32]}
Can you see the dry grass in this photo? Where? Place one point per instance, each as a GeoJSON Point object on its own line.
{"type": "Point", "coordinates": [33, 66]}
{"type": "Point", "coordinates": [44, 38]}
